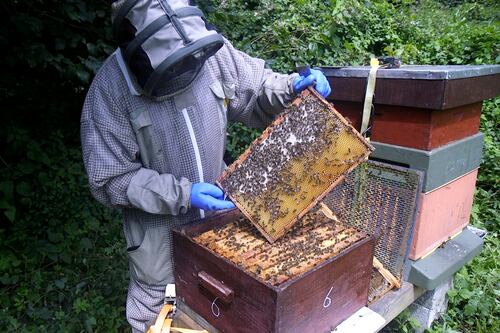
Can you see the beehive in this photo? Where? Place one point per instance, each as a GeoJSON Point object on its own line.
{"type": "Point", "coordinates": [305, 152]}
{"type": "Point", "coordinates": [310, 280]}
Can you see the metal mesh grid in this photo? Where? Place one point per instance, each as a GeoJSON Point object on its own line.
{"type": "Point", "coordinates": [380, 199]}
{"type": "Point", "coordinates": [295, 162]}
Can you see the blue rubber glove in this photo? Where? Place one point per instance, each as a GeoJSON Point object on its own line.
{"type": "Point", "coordinates": [209, 197]}
{"type": "Point", "coordinates": [316, 78]}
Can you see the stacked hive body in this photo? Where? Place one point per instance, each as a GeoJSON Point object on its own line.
{"type": "Point", "coordinates": [426, 118]}
{"type": "Point", "coordinates": [296, 161]}
{"type": "Point", "coordinates": [310, 280]}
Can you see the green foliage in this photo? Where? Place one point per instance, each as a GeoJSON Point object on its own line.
{"type": "Point", "coordinates": [69, 39]}
{"type": "Point", "coordinates": [52, 50]}
{"type": "Point", "coordinates": [404, 323]}
{"type": "Point", "coordinates": [315, 32]}
{"type": "Point", "coordinates": [433, 34]}
{"type": "Point", "coordinates": [340, 32]}
{"type": "Point", "coordinates": [62, 257]}
{"type": "Point", "coordinates": [62, 264]}
{"type": "Point", "coordinates": [239, 138]}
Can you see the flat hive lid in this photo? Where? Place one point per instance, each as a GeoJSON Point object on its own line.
{"type": "Point", "coordinates": [419, 86]}
{"type": "Point", "coordinates": [418, 72]}
{"type": "Point", "coordinates": [307, 150]}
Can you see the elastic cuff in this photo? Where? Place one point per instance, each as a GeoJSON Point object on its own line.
{"type": "Point", "coordinates": [186, 186]}
{"type": "Point", "coordinates": [291, 93]}
{"type": "Point", "coordinates": [186, 194]}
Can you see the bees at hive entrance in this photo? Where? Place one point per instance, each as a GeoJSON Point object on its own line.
{"type": "Point", "coordinates": [293, 164]}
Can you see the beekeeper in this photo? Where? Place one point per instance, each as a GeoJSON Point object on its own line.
{"type": "Point", "coordinates": [153, 130]}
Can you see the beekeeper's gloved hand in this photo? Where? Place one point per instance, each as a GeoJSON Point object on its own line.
{"type": "Point", "coordinates": [316, 78]}
{"type": "Point", "coordinates": [209, 197]}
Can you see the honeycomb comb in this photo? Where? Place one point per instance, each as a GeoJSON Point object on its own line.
{"type": "Point", "coordinates": [296, 161]}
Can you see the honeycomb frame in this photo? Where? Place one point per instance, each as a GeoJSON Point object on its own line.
{"type": "Point", "coordinates": [320, 149]}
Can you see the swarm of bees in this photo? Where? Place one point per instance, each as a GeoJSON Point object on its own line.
{"type": "Point", "coordinates": [295, 162]}
{"type": "Point", "coordinates": [313, 240]}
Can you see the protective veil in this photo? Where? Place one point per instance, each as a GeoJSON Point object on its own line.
{"type": "Point", "coordinates": [164, 43]}
{"type": "Point", "coordinates": [142, 154]}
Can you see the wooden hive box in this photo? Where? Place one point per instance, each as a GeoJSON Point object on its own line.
{"type": "Point", "coordinates": [309, 281]}
{"type": "Point", "coordinates": [441, 165]}
{"type": "Point", "coordinates": [443, 213]}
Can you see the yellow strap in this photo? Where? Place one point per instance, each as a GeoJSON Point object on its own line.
{"type": "Point", "coordinates": [386, 273]}
{"type": "Point", "coordinates": [186, 330]}
{"type": "Point", "coordinates": [166, 326]}
{"type": "Point", "coordinates": [163, 324]}
{"type": "Point", "coordinates": [157, 327]}
{"type": "Point", "coordinates": [370, 90]}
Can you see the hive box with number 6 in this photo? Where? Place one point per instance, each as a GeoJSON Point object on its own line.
{"type": "Point", "coordinates": [233, 299]}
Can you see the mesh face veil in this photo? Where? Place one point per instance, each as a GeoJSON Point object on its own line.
{"type": "Point", "coordinates": [164, 43]}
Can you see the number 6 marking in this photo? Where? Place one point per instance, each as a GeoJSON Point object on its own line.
{"type": "Point", "coordinates": [215, 308]}
{"type": "Point", "coordinates": [328, 301]}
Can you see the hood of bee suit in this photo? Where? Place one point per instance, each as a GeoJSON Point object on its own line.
{"type": "Point", "coordinates": [164, 43]}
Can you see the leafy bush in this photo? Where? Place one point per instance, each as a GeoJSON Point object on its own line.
{"type": "Point", "coordinates": [62, 264]}
{"type": "Point", "coordinates": [62, 258]}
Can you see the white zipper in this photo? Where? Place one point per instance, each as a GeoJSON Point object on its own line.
{"type": "Point", "coordinates": [196, 150]}
{"type": "Point", "coordinates": [126, 74]}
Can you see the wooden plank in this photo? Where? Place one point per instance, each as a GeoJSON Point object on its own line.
{"type": "Point", "coordinates": [254, 299]}
{"type": "Point", "coordinates": [326, 294]}
{"type": "Point", "coordinates": [324, 297]}
{"type": "Point", "coordinates": [414, 93]}
{"type": "Point", "coordinates": [420, 91]}
{"type": "Point", "coordinates": [389, 307]}
{"type": "Point", "coordinates": [443, 213]}
{"type": "Point", "coordinates": [365, 320]}
{"type": "Point", "coordinates": [385, 273]}
{"type": "Point", "coordinates": [441, 165]}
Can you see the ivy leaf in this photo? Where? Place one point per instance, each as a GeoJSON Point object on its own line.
{"type": "Point", "coordinates": [7, 188]}
{"type": "Point", "coordinates": [24, 189]}
{"type": "Point", "coordinates": [10, 213]}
